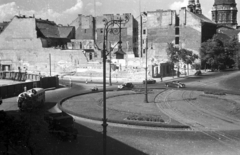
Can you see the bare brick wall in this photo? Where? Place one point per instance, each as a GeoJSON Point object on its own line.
{"type": "Point", "coordinates": [127, 32]}
{"type": "Point", "coordinates": [161, 35]}
{"type": "Point", "coordinates": [190, 31]}
{"type": "Point", "coordinates": [20, 34]}
{"type": "Point", "coordinates": [38, 60]}
{"type": "Point", "coordinates": [160, 31]}
{"type": "Point", "coordinates": [190, 38]}
{"type": "Point", "coordinates": [84, 27]}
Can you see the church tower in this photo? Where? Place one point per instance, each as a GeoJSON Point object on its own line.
{"type": "Point", "coordinates": [224, 12]}
{"type": "Point", "coordinates": [198, 7]}
{"type": "Point", "coordinates": [191, 6]}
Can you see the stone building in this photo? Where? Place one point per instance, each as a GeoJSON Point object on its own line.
{"type": "Point", "coordinates": [27, 42]}
{"type": "Point", "coordinates": [3, 25]}
{"type": "Point", "coordinates": [31, 33]}
{"type": "Point", "coordinates": [188, 30]}
{"type": "Point", "coordinates": [91, 28]}
{"type": "Point", "coordinates": [224, 12]}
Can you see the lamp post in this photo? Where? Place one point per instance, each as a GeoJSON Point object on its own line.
{"type": "Point", "coordinates": [141, 31]}
{"type": "Point", "coordinates": [108, 27]}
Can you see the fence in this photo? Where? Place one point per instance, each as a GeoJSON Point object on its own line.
{"type": "Point", "coordinates": [18, 76]}
{"type": "Point", "coordinates": [12, 90]}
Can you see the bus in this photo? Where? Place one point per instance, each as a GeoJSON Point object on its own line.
{"type": "Point", "coordinates": [30, 99]}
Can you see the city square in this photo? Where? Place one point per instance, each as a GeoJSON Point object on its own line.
{"type": "Point", "coordinates": [78, 77]}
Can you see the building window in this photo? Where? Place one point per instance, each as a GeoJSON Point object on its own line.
{"type": "Point", "coordinates": [85, 30]}
{"type": "Point", "coordinates": [90, 56]}
{"type": "Point", "coordinates": [80, 45]}
{"type": "Point", "coordinates": [177, 31]}
{"type": "Point", "coordinates": [144, 31]}
{"type": "Point", "coordinates": [143, 41]}
{"type": "Point", "coordinates": [176, 40]}
{"type": "Point", "coordinates": [144, 51]}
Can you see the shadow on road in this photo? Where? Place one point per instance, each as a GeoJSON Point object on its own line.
{"type": "Point", "coordinates": [89, 141]}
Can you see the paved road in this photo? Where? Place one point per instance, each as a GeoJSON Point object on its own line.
{"type": "Point", "coordinates": [137, 141]}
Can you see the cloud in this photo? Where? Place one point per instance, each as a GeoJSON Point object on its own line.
{"type": "Point", "coordinates": [76, 8]}
{"type": "Point", "coordinates": [98, 4]}
{"type": "Point", "coordinates": [48, 14]}
{"type": "Point", "coordinates": [8, 10]}
{"type": "Point", "coordinates": [177, 5]}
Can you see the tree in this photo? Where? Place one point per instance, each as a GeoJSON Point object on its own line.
{"type": "Point", "coordinates": [188, 57]}
{"type": "Point", "coordinates": [175, 55]}
{"type": "Point", "coordinates": [218, 55]}
{"type": "Point", "coordinates": [232, 48]}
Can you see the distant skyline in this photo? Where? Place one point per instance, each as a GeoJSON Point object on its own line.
{"type": "Point", "coordinates": [65, 11]}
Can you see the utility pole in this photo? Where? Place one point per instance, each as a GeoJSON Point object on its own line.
{"type": "Point", "coordinates": [146, 42]}
{"type": "Point", "coordinates": [141, 53]}
{"type": "Point", "coordinates": [50, 65]}
{"type": "Point", "coordinates": [146, 90]}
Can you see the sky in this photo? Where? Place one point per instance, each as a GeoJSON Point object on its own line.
{"type": "Point", "coordinates": [65, 11]}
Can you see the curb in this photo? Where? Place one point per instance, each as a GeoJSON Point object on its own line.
{"type": "Point", "coordinates": [123, 122]}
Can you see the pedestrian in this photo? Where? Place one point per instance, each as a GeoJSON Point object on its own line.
{"type": "Point", "coordinates": [161, 77]}
{"type": "Point", "coordinates": [86, 81]}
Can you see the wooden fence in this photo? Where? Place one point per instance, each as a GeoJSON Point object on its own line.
{"type": "Point", "coordinates": [27, 81]}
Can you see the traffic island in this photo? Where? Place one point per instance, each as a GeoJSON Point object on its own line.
{"type": "Point", "coordinates": [123, 107]}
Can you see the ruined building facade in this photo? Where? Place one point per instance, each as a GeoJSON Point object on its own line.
{"type": "Point", "coordinates": [188, 30]}
{"type": "Point", "coordinates": [92, 28]}
{"type": "Point", "coordinates": [82, 41]}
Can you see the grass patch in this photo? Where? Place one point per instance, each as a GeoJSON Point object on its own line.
{"type": "Point", "coordinates": [146, 118]}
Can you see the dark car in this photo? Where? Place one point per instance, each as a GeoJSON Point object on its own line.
{"type": "Point", "coordinates": [176, 84]}
{"type": "Point", "coordinates": [125, 86]}
{"type": "Point", "coordinates": [198, 73]}
{"type": "Point", "coordinates": [94, 89]}
{"type": "Point", "coordinates": [149, 81]}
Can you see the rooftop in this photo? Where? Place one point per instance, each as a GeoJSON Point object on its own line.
{"type": "Point", "coordinates": [226, 2]}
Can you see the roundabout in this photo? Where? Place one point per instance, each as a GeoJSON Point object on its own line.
{"type": "Point", "coordinates": [167, 108]}
{"type": "Point", "coordinates": [123, 107]}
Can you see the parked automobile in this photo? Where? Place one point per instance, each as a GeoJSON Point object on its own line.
{"type": "Point", "coordinates": [198, 73]}
{"type": "Point", "coordinates": [149, 81]}
{"type": "Point", "coordinates": [176, 84]}
{"type": "Point", "coordinates": [95, 88]}
{"type": "Point", "coordinates": [125, 86]}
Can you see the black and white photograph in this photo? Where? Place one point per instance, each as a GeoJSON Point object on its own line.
{"type": "Point", "coordinates": [119, 77]}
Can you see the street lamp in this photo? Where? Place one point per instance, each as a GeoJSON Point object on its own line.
{"type": "Point", "coordinates": [141, 22]}
{"type": "Point", "coordinates": [108, 27]}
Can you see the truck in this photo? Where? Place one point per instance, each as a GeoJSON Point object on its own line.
{"type": "Point", "coordinates": [61, 125]}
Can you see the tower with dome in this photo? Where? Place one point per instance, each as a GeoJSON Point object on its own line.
{"type": "Point", "coordinates": [224, 12]}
